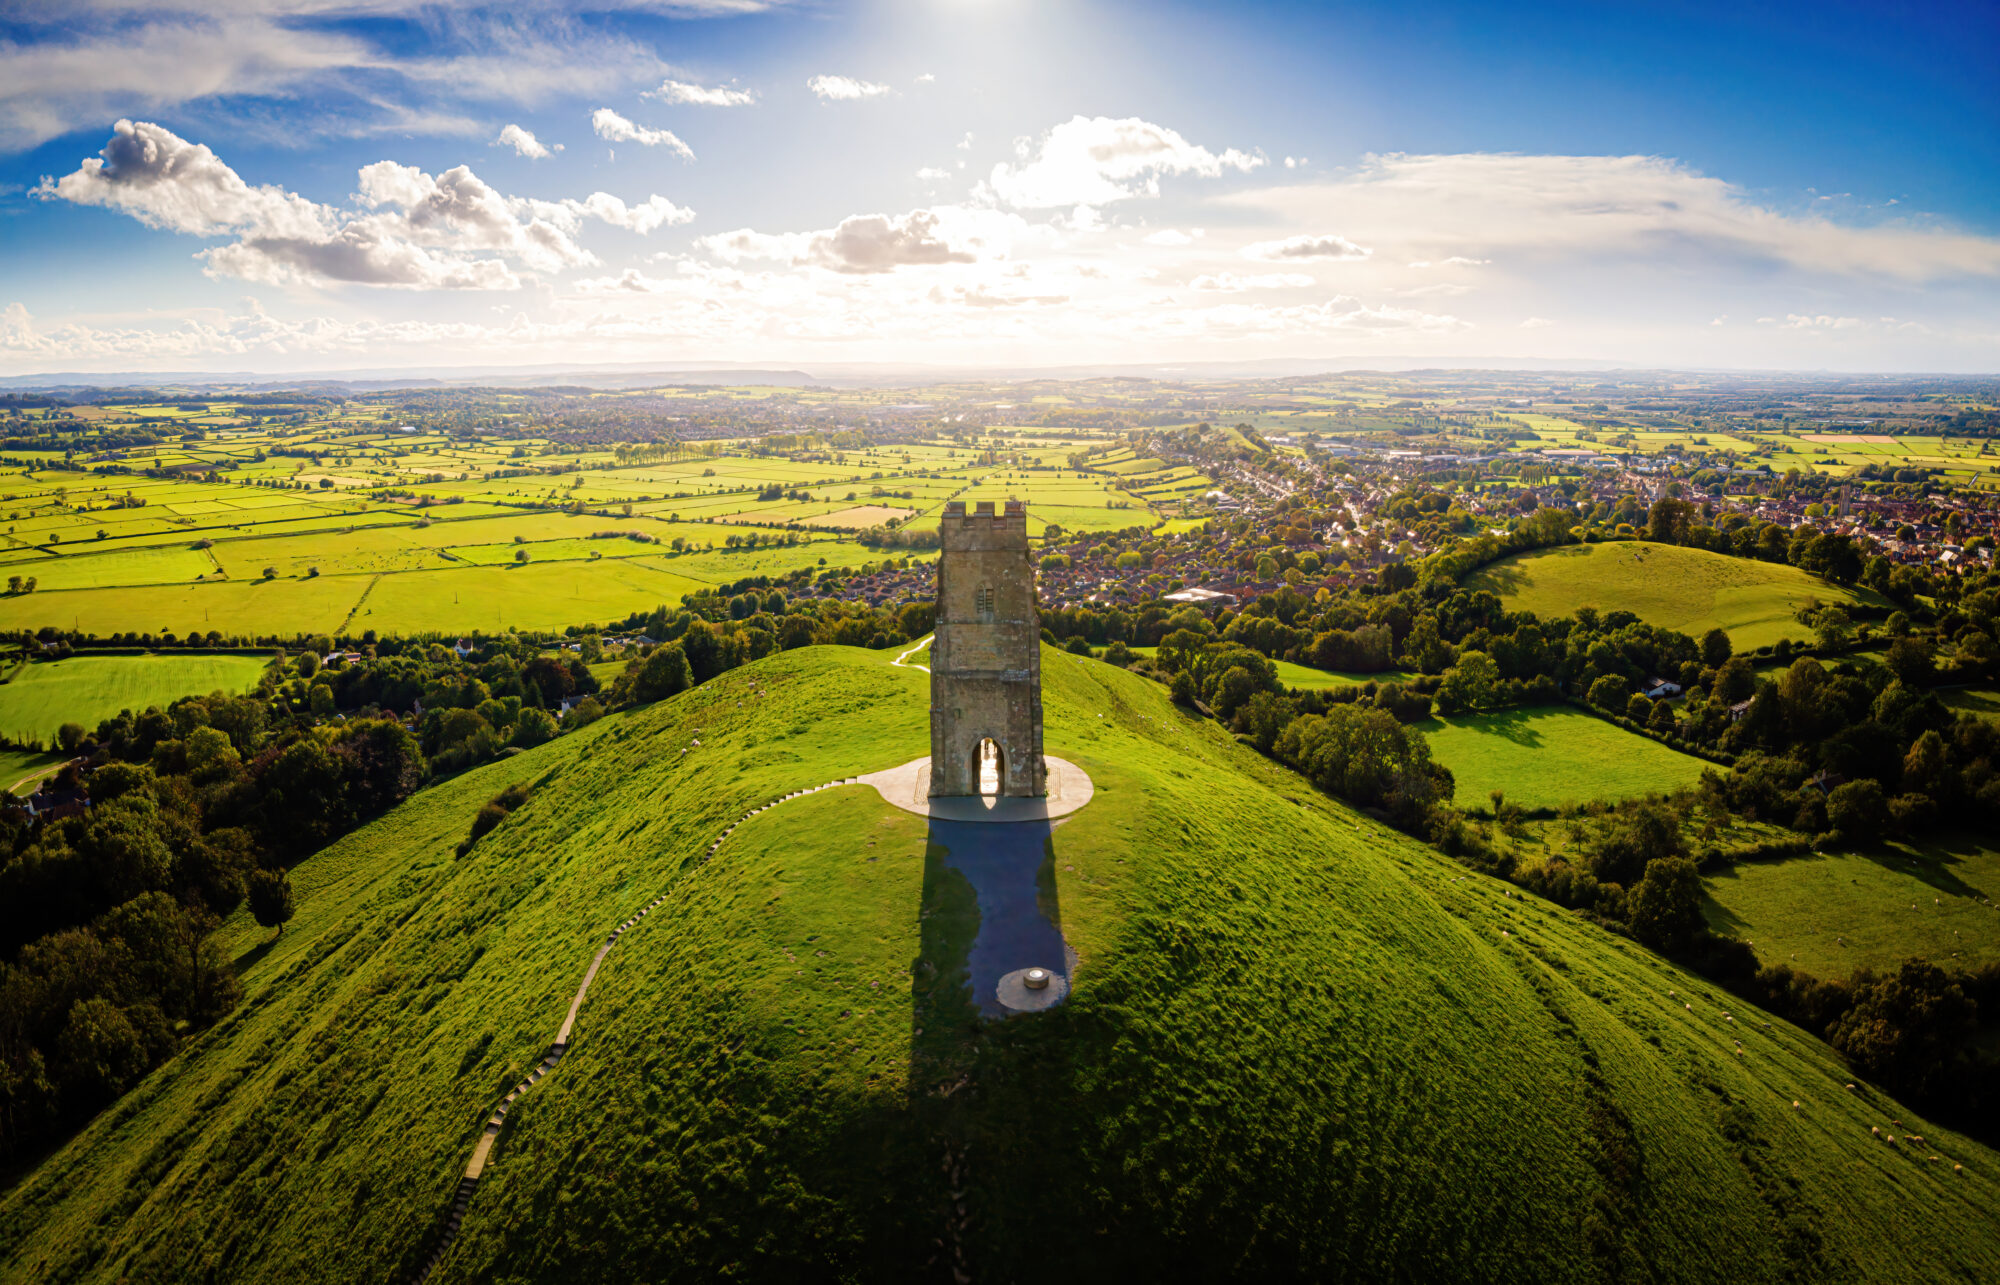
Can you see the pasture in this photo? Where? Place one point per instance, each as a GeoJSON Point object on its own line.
{"type": "Point", "coordinates": [88, 689]}
{"type": "Point", "coordinates": [421, 532]}
{"type": "Point", "coordinates": [1688, 590]}
{"type": "Point", "coordinates": [1551, 755]}
{"type": "Point", "coordinates": [1830, 914]}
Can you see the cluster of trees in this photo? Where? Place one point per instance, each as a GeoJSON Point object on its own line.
{"type": "Point", "coordinates": [105, 915]}
{"type": "Point", "coordinates": [177, 816]}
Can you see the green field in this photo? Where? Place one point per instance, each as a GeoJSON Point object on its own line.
{"type": "Point", "coordinates": [88, 689]}
{"type": "Point", "coordinates": [23, 768]}
{"type": "Point", "coordinates": [1689, 590]}
{"type": "Point", "coordinates": [1299, 1045]}
{"type": "Point", "coordinates": [1552, 755]}
{"type": "Point", "coordinates": [1830, 914]}
{"type": "Point", "coordinates": [1983, 701]}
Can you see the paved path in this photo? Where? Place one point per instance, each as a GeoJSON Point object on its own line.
{"type": "Point", "coordinates": [36, 776]}
{"type": "Point", "coordinates": [904, 659]}
{"type": "Point", "coordinates": [482, 1151]}
{"type": "Point", "coordinates": [909, 786]}
{"type": "Point", "coordinates": [994, 864]}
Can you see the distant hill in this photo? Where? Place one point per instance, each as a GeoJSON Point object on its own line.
{"type": "Point", "coordinates": [1300, 1045]}
{"type": "Point", "coordinates": [1687, 590]}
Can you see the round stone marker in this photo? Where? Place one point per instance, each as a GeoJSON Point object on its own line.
{"type": "Point", "coordinates": [1017, 993]}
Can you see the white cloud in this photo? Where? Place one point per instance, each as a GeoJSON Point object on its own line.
{"type": "Point", "coordinates": [861, 244]}
{"type": "Point", "coordinates": [102, 59]}
{"type": "Point", "coordinates": [1096, 160]}
{"type": "Point", "coordinates": [845, 88]}
{"type": "Point", "coordinates": [1821, 321]}
{"type": "Point", "coordinates": [609, 125]}
{"type": "Point", "coordinates": [164, 181]}
{"type": "Point", "coordinates": [654, 212]}
{"type": "Point", "coordinates": [926, 79]}
{"type": "Point", "coordinates": [1321, 246]}
{"type": "Point", "coordinates": [932, 174]}
{"type": "Point", "coordinates": [1534, 210]}
{"type": "Point", "coordinates": [49, 87]}
{"type": "Point", "coordinates": [680, 91]}
{"type": "Point", "coordinates": [523, 142]}
{"type": "Point", "coordinates": [411, 229]}
{"type": "Point", "coordinates": [1230, 283]}
{"type": "Point", "coordinates": [1167, 236]}
{"type": "Point", "coordinates": [1535, 323]}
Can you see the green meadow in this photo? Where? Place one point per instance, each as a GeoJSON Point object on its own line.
{"type": "Point", "coordinates": [44, 695]}
{"type": "Point", "coordinates": [121, 553]}
{"type": "Point", "coordinates": [1688, 590]}
{"type": "Point", "coordinates": [1551, 755]}
{"type": "Point", "coordinates": [1832, 913]}
{"type": "Point", "coordinates": [1298, 1044]}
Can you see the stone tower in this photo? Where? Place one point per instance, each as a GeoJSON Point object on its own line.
{"type": "Point", "coordinates": [986, 662]}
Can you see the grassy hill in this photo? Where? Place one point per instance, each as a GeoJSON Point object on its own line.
{"type": "Point", "coordinates": [1298, 1044]}
{"type": "Point", "coordinates": [1550, 755]}
{"type": "Point", "coordinates": [88, 689]}
{"type": "Point", "coordinates": [1689, 590]}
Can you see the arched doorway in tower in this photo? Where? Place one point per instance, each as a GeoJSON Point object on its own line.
{"type": "Point", "coordinates": [992, 767]}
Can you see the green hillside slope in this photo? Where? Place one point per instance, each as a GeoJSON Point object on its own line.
{"type": "Point", "coordinates": [1688, 590]}
{"type": "Point", "coordinates": [1298, 1044]}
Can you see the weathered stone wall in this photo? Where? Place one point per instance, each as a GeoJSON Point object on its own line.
{"type": "Point", "coordinates": [986, 666]}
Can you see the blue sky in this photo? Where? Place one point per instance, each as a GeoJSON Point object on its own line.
{"type": "Point", "coordinates": [328, 184]}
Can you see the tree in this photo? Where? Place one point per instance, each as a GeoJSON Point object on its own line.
{"type": "Point", "coordinates": [1715, 648]}
{"type": "Point", "coordinates": [69, 736]}
{"type": "Point", "coordinates": [1638, 708]}
{"type": "Point", "coordinates": [1668, 521]}
{"type": "Point", "coordinates": [13, 584]}
{"type": "Point", "coordinates": [1905, 1030]}
{"type": "Point", "coordinates": [665, 673]}
{"type": "Point", "coordinates": [1608, 692]}
{"type": "Point", "coordinates": [1735, 681]}
{"type": "Point", "coordinates": [1910, 661]}
{"type": "Point", "coordinates": [520, 555]}
{"type": "Point", "coordinates": [1927, 767]}
{"type": "Point", "coordinates": [1469, 684]}
{"type": "Point", "coordinates": [270, 573]}
{"type": "Point", "coordinates": [99, 1052]}
{"type": "Point", "coordinates": [1833, 626]}
{"type": "Point", "coordinates": [1651, 832]}
{"type": "Point", "coordinates": [270, 899]}
{"type": "Point", "coordinates": [1858, 809]}
{"type": "Point", "coordinates": [1661, 720]}
{"type": "Point", "coordinates": [533, 728]}
{"type": "Point", "coordinates": [1666, 906]}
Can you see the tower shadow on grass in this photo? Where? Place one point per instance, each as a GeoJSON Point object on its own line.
{"type": "Point", "coordinates": [991, 1090]}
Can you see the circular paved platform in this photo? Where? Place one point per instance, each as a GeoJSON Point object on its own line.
{"type": "Point", "coordinates": [908, 787]}
{"type": "Point", "coordinates": [1014, 993]}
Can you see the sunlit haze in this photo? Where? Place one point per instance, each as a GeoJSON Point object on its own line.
{"type": "Point", "coordinates": [296, 185]}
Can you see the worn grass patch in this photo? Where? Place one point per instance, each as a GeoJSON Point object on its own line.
{"type": "Point", "coordinates": [1552, 755]}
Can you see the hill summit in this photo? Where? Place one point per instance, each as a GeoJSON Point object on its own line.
{"type": "Point", "coordinates": [1296, 1043]}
